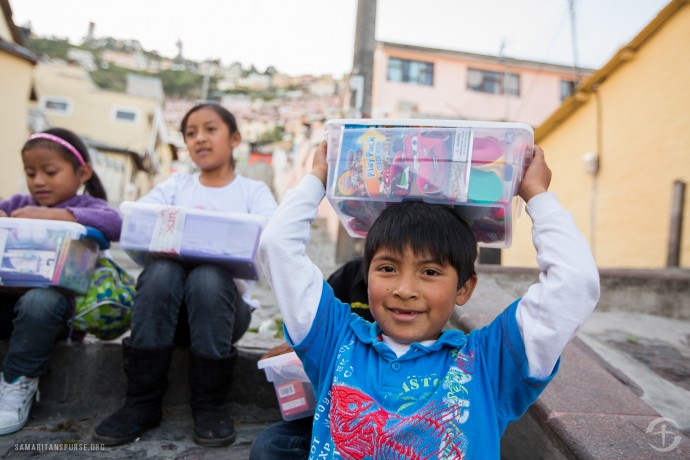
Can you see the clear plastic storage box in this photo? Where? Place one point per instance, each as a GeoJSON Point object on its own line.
{"type": "Point", "coordinates": [293, 389]}
{"type": "Point", "coordinates": [194, 235]}
{"type": "Point", "coordinates": [474, 166]}
{"type": "Point", "coordinates": [41, 253]}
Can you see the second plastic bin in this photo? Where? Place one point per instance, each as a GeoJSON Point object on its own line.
{"type": "Point", "coordinates": [193, 235]}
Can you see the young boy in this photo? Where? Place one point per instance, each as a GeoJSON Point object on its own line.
{"type": "Point", "coordinates": [402, 387]}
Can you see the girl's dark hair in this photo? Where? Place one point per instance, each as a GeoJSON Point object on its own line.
{"type": "Point", "coordinates": [429, 229]}
{"type": "Point", "coordinates": [224, 114]}
{"type": "Point", "coordinates": [93, 186]}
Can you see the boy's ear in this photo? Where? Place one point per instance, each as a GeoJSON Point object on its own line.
{"type": "Point", "coordinates": [466, 290]}
{"type": "Point", "coordinates": [85, 173]}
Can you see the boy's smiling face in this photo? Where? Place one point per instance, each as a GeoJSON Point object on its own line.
{"type": "Point", "coordinates": [412, 296]}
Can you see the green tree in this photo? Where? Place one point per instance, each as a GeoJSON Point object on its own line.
{"type": "Point", "coordinates": [54, 48]}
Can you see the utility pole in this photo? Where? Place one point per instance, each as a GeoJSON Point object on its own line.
{"type": "Point", "coordinates": [361, 77]}
{"type": "Point", "coordinates": [361, 82]}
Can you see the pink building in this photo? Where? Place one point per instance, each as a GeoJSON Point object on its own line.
{"type": "Point", "coordinates": [417, 82]}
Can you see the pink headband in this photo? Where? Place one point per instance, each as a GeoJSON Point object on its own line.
{"type": "Point", "coordinates": [60, 141]}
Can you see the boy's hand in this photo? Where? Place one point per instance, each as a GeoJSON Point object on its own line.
{"type": "Point", "coordinates": [319, 167]}
{"type": "Point", "coordinates": [537, 177]}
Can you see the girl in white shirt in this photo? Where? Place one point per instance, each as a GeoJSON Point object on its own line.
{"type": "Point", "coordinates": [170, 294]}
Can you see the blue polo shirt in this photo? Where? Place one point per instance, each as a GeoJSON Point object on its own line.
{"type": "Point", "coordinates": [450, 400]}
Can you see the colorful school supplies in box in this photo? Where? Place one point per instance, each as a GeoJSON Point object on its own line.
{"type": "Point", "coordinates": [41, 253]}
{"type": "Point", "coordinates": [193, 235]}
{"type": "Point", "coordinates": [295, 394]}
{"type": "Point", "coordinates": [474, 166]}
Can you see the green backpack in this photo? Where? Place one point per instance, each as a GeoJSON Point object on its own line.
{"type": "Point", "coordinates": [106, 309]}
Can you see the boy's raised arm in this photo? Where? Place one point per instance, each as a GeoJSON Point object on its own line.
{"type": "Point", "coordinates": [296, 282]}
{"type": "Point", "coordinates": [551, 311]}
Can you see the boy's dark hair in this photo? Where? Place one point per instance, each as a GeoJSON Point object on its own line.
{"type": "Point", "coordinates": [93, 186]}
{"type": "Point", "coordinates": [224, 114]}
{"type": "Point", "coordinates": [430, 229]}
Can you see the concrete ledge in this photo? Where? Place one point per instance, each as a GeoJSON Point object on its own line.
{"type": "Point", "coordinates": [657, 292]}
{"type": "Point", "coordinates": [586, 412]}
{"type": "Point", "coordinates": [86, 380]}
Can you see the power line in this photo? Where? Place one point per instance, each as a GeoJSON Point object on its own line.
{"type": "Point", "coordinates": [540, 68]}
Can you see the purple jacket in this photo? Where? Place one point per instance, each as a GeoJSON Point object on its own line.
{"type": "Point", "coordinates": [89, 211]}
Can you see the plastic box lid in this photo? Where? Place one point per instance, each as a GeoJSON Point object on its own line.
{"type": "Point", "coordinates": [39, 228]}
{"type": "Point", "coordinates": [286, 367]}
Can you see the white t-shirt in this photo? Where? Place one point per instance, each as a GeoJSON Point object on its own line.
{"type": "Point", "coordinates": [242, 195]}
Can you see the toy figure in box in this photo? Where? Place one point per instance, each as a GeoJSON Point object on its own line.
{"type": "Point", "coordinates": [397, 177]}
{"type": "Point", "coordinates": [432, 159]}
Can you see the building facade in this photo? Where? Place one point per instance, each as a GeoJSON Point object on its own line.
{"type": "Point", "coordinates": [620, 152]}
{"type": "Point", "coordinates": [16, 67]}
{"type": "Point", "coordinates": [417, 82]}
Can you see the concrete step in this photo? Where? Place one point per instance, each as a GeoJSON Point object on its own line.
{"type": "Point", "coordinates": [86, 383]}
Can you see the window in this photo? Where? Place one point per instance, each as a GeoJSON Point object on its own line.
{"type": "Point", "coordinates": [125, 114]}
{"type": "Point", "coordinates": [567, 88]}
{"type": "Point", "coordinates": [487, 81]}
{"type": "Point", "coordinates": [56, 105]}
{"type": "Point", "coordinates": [406, 71]}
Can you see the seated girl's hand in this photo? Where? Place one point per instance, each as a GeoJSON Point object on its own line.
{"type": "Point", "coordinates": [40, 212]}
{"type": "Point", "coordinates": [537, 177]}
{"type": "Point", "coordinates": [319, 166]}
{"type": "Point", "coordinates": [3, 213]}
{"type": "Point", "coordinates": [277, 350]}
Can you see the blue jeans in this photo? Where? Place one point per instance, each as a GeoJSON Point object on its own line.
{"type": "Point", "coordinates": [284, 440]}
{"type": "Point", "coordinates": [40, 316]}
{"type": "Point", "coordinates": [216, 314]}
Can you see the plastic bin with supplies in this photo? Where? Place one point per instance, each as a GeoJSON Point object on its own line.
{"type": "Point", "coordinates": [293, 389]}
{"type": "Point", "coordinates": [193, 235]}
{"type": "Point", "coordinates": [475, 166]}
{"type": "Point", "coordinates": [42, 253]}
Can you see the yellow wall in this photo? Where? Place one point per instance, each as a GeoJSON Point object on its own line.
{"type": "Point", "coordinates": [645, 132]}
{"type": "Point", "coordinates": [15, 88]}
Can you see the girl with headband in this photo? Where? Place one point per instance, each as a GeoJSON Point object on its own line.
{"type": "Point", "coordinates": [57, 166]}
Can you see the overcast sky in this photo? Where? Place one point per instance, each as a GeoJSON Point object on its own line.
{"type": "Point", "coordinates": [317, 36]}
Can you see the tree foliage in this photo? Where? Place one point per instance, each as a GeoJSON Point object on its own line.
{"type": "Point", "coordinates": [54, 48]}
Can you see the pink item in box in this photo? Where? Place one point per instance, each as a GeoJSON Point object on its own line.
{"type": "Point", "coordinates": [433, 162]}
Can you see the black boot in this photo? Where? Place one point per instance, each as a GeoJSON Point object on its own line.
{"type": "Point", "coordinates": [209, 381]}
{"type": "Point", "coordinates": [147, 380]}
